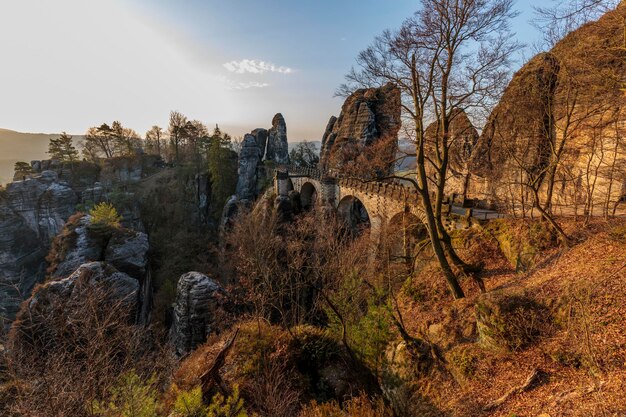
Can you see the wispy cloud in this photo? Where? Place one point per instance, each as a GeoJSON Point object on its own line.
{"type": "Point", "coordinates": [241, 85]}
{"type": "Point", "coordinates": [255, 66]}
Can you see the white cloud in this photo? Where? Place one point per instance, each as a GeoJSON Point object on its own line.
{"type": "Point", "coordinates": [255, 66]}
{"type": "Point", "coordinates": [240, 85]}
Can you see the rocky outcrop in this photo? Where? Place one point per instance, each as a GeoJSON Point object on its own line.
{"type": "Point", "coordinates": [77, 173]}
{"type": "Point", "coordinates": [32, 212]}
{"type": "Point", "coordinates": [127, 169]}
{"type": "Point", "coordinates": [54, 306]}
{"type": "Point", "coordinates": [81, 242]}
{"type": "Point", "coordinates": [562, 94]}
{"type": "Point", "coordinates": [366, 132]}
{"type": "Point", "coordinates": [249, 167]}
{"type": "Point", "coordinates": [198, 311]}
{"type": "Point", "coordinates": [462, 140]}
{"type": "Point", "coordinates": [260, 136]}
{"type": "Point", "coordinates": [520, 127]}
{"type": "Point", "coordinates": [277, 146]}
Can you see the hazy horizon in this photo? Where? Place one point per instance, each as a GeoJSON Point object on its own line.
{"type": "Point", "coordinates": [72, 64]}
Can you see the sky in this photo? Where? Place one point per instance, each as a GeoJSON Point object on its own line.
{"type": "Point", "coordinates": [66, 65]}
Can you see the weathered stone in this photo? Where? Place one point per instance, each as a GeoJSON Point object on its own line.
{"type": "Point", "coordinates": [261, 135]}
{"type": "Point", "coordinates": [277, 145]}
{"type": "Point", "coordinates": [369, 119]}
{"type": "Point", "coordinates": [128, 252]}
{"type": "Point", "coordinates": [80, 242]}
{"type": "Point", "coordinates": [60, 302]}
{"type": "Point", "coordinates": [249, 161]}
{"type": "Point", "coordinates": [462, 140]}
{"type": "Point", "coordinates": [197, 311]}
{"type": "Point", "coordinates": [32, 212]}
{"type": "Point", "coordinates": [524, 131]}
{"type": "Point", "coordinates": [517, 130]}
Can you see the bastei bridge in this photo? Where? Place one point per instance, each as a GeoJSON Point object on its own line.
{"type": "Point", "coordinates": [376, 204]}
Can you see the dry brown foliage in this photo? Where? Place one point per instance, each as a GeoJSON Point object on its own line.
{"type": "Point", "coordinates": [61, 363]}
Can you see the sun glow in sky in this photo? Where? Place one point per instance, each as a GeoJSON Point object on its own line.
{"type": "Point", "coordinates": [71, 64]}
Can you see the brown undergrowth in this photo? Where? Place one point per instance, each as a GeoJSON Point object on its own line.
{"type": "Point", "coordinates": [568, 309]}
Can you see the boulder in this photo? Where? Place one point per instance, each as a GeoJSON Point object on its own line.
{"type": "Point", "coordinates": [82, 242]}
{"type": "Point", "coordinates": [277, 146]}
{"type": "Point", "coordinates": [197, 311]}
{"type": "Point", "coordinates": [55, 305]}
{"type": "Point", "coordinates": [369, 121]}
{"type": "Point", "coordinates": [128, 252]}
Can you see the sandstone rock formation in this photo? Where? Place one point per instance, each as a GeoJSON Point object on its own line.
{"type": "Point", "coordinates": [366, 132]}
{"type": "Point", "coordinates": [32, 212]}
{"type": "Point", "coordinates": [258, 146]}
{"type": "Point", "coordinates": [81, 242]}
{"type": "Point", "coordinates": [277, 146]}
{"type": "Point", "coordinates": [563, 105]}
{"type": "Point", "coordinates": [249, 167]}
{"type": "Point", "coordinates": [519, 126]}
{"type": "Point", "coordinates": [261, 135]}
{"type": "Point", "coordinates": [463, 138]}
{"type": "Point", "coordinates": [197, 311]}
{"type": "Point", "coordinates": [55, 304]}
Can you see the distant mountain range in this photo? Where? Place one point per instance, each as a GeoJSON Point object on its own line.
{"type": "Point", "coordinates": [17, 146]}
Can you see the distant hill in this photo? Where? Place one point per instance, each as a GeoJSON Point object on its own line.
{"type": "Point", "coordinates": [18, 146]}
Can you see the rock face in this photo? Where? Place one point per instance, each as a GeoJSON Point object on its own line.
{"type": "Point", "coordinates": [520, 125]}
{"type": "Point", "coordinates": [463, 139]}
{"type": "Point", "coordinates": [260, 136]}
{"type": "Point", "coordinates": [81, 242]}
{"type": "Point", "coordinates": [249, 167]}
{"type": "Point", "coordinates": [32, 212]}
{"type": "Point", "coordinates": [369, 120]}
{"type": "Point", "coordinates": [45, 315]}
{"type": "Point", "coordinates": [537, 111]}
{"type": "Point", "coordinates": [277, 146]}
{"type": "Point", "coordinates": [197, 311]}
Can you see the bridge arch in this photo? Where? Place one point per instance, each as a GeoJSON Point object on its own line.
{"type": "Point", "coordinates": [354, 215]}
{"type": "Point", "coordinates": [308, 195]}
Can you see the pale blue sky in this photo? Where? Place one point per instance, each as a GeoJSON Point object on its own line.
{"type": "Point", "coordinates": [71, 64]}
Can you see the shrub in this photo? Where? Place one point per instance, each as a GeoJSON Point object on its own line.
{"type": "Point", "coordinates": [361, 406]}
{"type": "Point", "coordinates": [189, 404]}
{"type": "Point", "coordinates": [522, 242]}
{"type": "Point", "coordinates": [510, 321]}
{"type": "Point", "coordinates": [231, 406]}
{"type": "Point", "coordinates": [105, 214]}
{"type": "Point", "coordinates": [131, 397]}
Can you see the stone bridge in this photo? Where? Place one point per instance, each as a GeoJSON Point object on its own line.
{"type": "Point", "coordinates": [377, 205]}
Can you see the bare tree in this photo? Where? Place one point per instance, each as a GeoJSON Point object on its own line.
{"type": "Point", "coordinates": [154, 140]}
{"type": "Point", "coordinates": [452, 54]}
{"type": "Point", "coordinates": [563, 16]}
{"type": "Point", "coordinates": [177, 132]}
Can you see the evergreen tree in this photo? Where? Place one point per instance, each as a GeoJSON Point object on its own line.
{"type": "Point", "coordinates": [22, 169]}
{"type": "Point", "coordinates": [63, 149]}
{"type": "Point", "coordinates": [222, 164]}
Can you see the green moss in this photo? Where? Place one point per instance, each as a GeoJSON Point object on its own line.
{"type": "Point", "coordinates": [521, 241]}
{"type": "Point", "coordinates": [510, 322]}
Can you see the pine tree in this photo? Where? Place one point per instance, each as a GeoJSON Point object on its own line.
{"type": "Point", "coordinates": [22, 169]}
{"type": "Point", "coordinates": [222, 168]}
{"type": "Point", "coordinates": [63, 149]}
